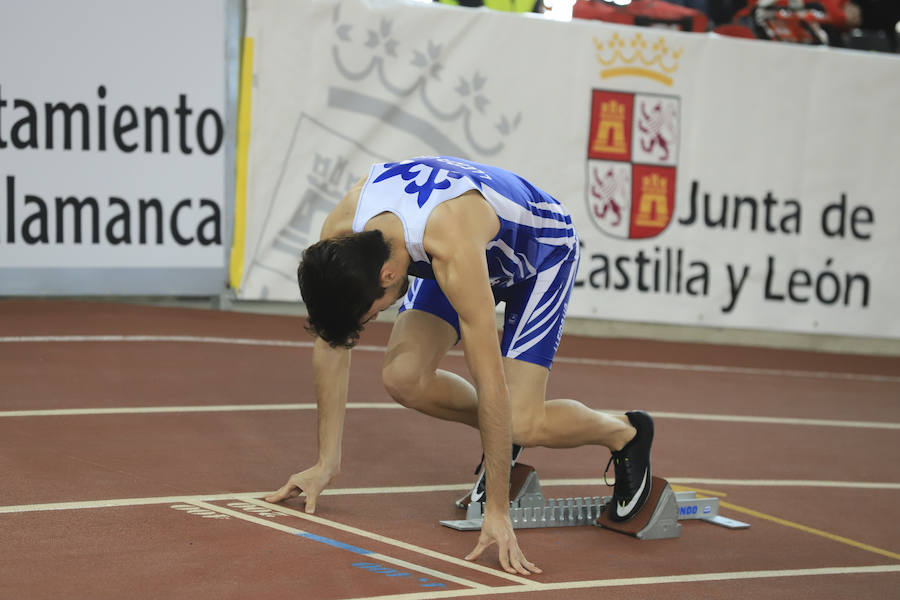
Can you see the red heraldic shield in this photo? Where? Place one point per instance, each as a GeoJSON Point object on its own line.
{"type": "Point", "coordinates": [632, 162]}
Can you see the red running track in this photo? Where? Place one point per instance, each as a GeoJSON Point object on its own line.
{"type": "Point", "coordinates": [136, 443]}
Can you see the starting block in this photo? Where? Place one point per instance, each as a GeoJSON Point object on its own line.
{"type": "Point", "coordinates": [658, 519]}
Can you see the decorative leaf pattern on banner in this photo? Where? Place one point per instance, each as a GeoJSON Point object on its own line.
{"type": "Point", "coordinates": [376, 53]}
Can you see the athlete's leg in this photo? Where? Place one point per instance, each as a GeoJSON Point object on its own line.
{"type": "Point", "coordinates": [411, 376]}
{"type": "Point", "coordinates": [535, 313]}
{"type": "Point", "coordinates": [560, 423]}
{"type": "Point", "coordinates": [532, 329]}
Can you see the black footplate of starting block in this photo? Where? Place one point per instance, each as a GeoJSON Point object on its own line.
{"type": "Point", "coordinates": [658, 519]}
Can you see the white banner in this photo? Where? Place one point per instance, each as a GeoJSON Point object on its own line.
{"type": "Point", "coordinates": [713, 181]}
{"type": "Point", "coordinates": [112, 137]}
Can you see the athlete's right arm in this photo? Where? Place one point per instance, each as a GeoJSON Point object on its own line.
{"type": "Point", "coordinates": [331, 375]}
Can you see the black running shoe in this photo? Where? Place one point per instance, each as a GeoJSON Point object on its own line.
{"type": "Point", "coordinates": [632, 465]}
{"type": "Point", "coordinates": [478, 493]}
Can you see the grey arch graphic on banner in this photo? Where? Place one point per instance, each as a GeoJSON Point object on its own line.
{"type": "Point", "coordinates": [311, 199]}
{"type": "Point", "coordinates": [395, 116]}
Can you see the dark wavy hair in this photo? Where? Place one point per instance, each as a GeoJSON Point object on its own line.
{"type": "Point", "coordinates": [339, 280]}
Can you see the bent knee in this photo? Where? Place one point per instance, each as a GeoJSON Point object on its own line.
{"type": "Point", "coordinates": [402, 383]}
{"type": "Point", "coordinates": [526, 427]}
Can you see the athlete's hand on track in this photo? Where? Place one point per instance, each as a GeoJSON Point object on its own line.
{"type": "Point", "coordinates": [310, 482]}
{"type": "Point", "coordinates": [497, 529]}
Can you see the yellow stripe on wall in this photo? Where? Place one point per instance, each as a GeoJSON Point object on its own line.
{"type": "Point", "coordinates": [236, 270]}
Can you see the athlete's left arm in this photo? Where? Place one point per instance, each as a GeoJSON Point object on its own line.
{"type": "Point", "coordinates": [456, 236]}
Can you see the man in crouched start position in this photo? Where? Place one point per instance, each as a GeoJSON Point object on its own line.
{"type": "Point", "coordinates": [471, 236]}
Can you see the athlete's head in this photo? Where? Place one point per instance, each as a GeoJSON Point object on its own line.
{"type": "Point", "coordinates": [343, 284]}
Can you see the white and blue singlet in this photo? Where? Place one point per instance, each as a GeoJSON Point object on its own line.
{"type": "Point", "coordinates": [531, 261]}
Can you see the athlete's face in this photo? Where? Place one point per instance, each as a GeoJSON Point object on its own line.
{"type": "Point", "coordinates": [392, 293]}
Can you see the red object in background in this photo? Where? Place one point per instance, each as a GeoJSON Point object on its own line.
{"type": "Point", "coordinates": [735, 30]}
{"type": "Point", "coordinates": [647, 13]}
{"type": "Point", "coordinates": [795, 21]}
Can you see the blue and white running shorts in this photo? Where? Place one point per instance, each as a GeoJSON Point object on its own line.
{"type": "Point", "coordinates": [533, 318]}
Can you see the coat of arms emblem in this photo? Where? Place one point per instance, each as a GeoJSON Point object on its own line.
{"type": "Point", "coordinates": [632, 159]}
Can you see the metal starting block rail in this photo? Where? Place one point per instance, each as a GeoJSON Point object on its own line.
{"type": "Point", "coordinates": [658, 519]}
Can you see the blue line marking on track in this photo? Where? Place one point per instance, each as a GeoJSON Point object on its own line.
{"type": "Point", "coordinates": [335, 543]}
{"type": "Point", "coordinates": [372, 567]}
{"type": "Point", "coordinates": [389, 572]}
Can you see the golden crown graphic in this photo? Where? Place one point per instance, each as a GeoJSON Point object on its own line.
{"type": "Point", "coordinates": [637, 57]}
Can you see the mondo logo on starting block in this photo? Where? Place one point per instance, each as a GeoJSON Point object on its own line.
{"type": "Point", "coordinates": [690, 510]}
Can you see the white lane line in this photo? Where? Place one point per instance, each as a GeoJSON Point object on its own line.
{"type": "Point", "coordinates": [862, 485]}
{"type": "Point", "coordinates": [157, 338]}
{"type": "Point", "coordinates": [88, 504]}
{"type": "Point", "coordinates": [777, 420]}
{"type": "Point", "coordinates": [386, 540]}
{"type": "Point", "coordinates": [421, 489]}
{"type": "Point", "coordinates": [363, 552]}
{"type": "Point", "coordinates": [534, 586]}
{"type": "Point", "coordinates": [630, 364]}
{"type": "Point", "coordinates": [141, 410]}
